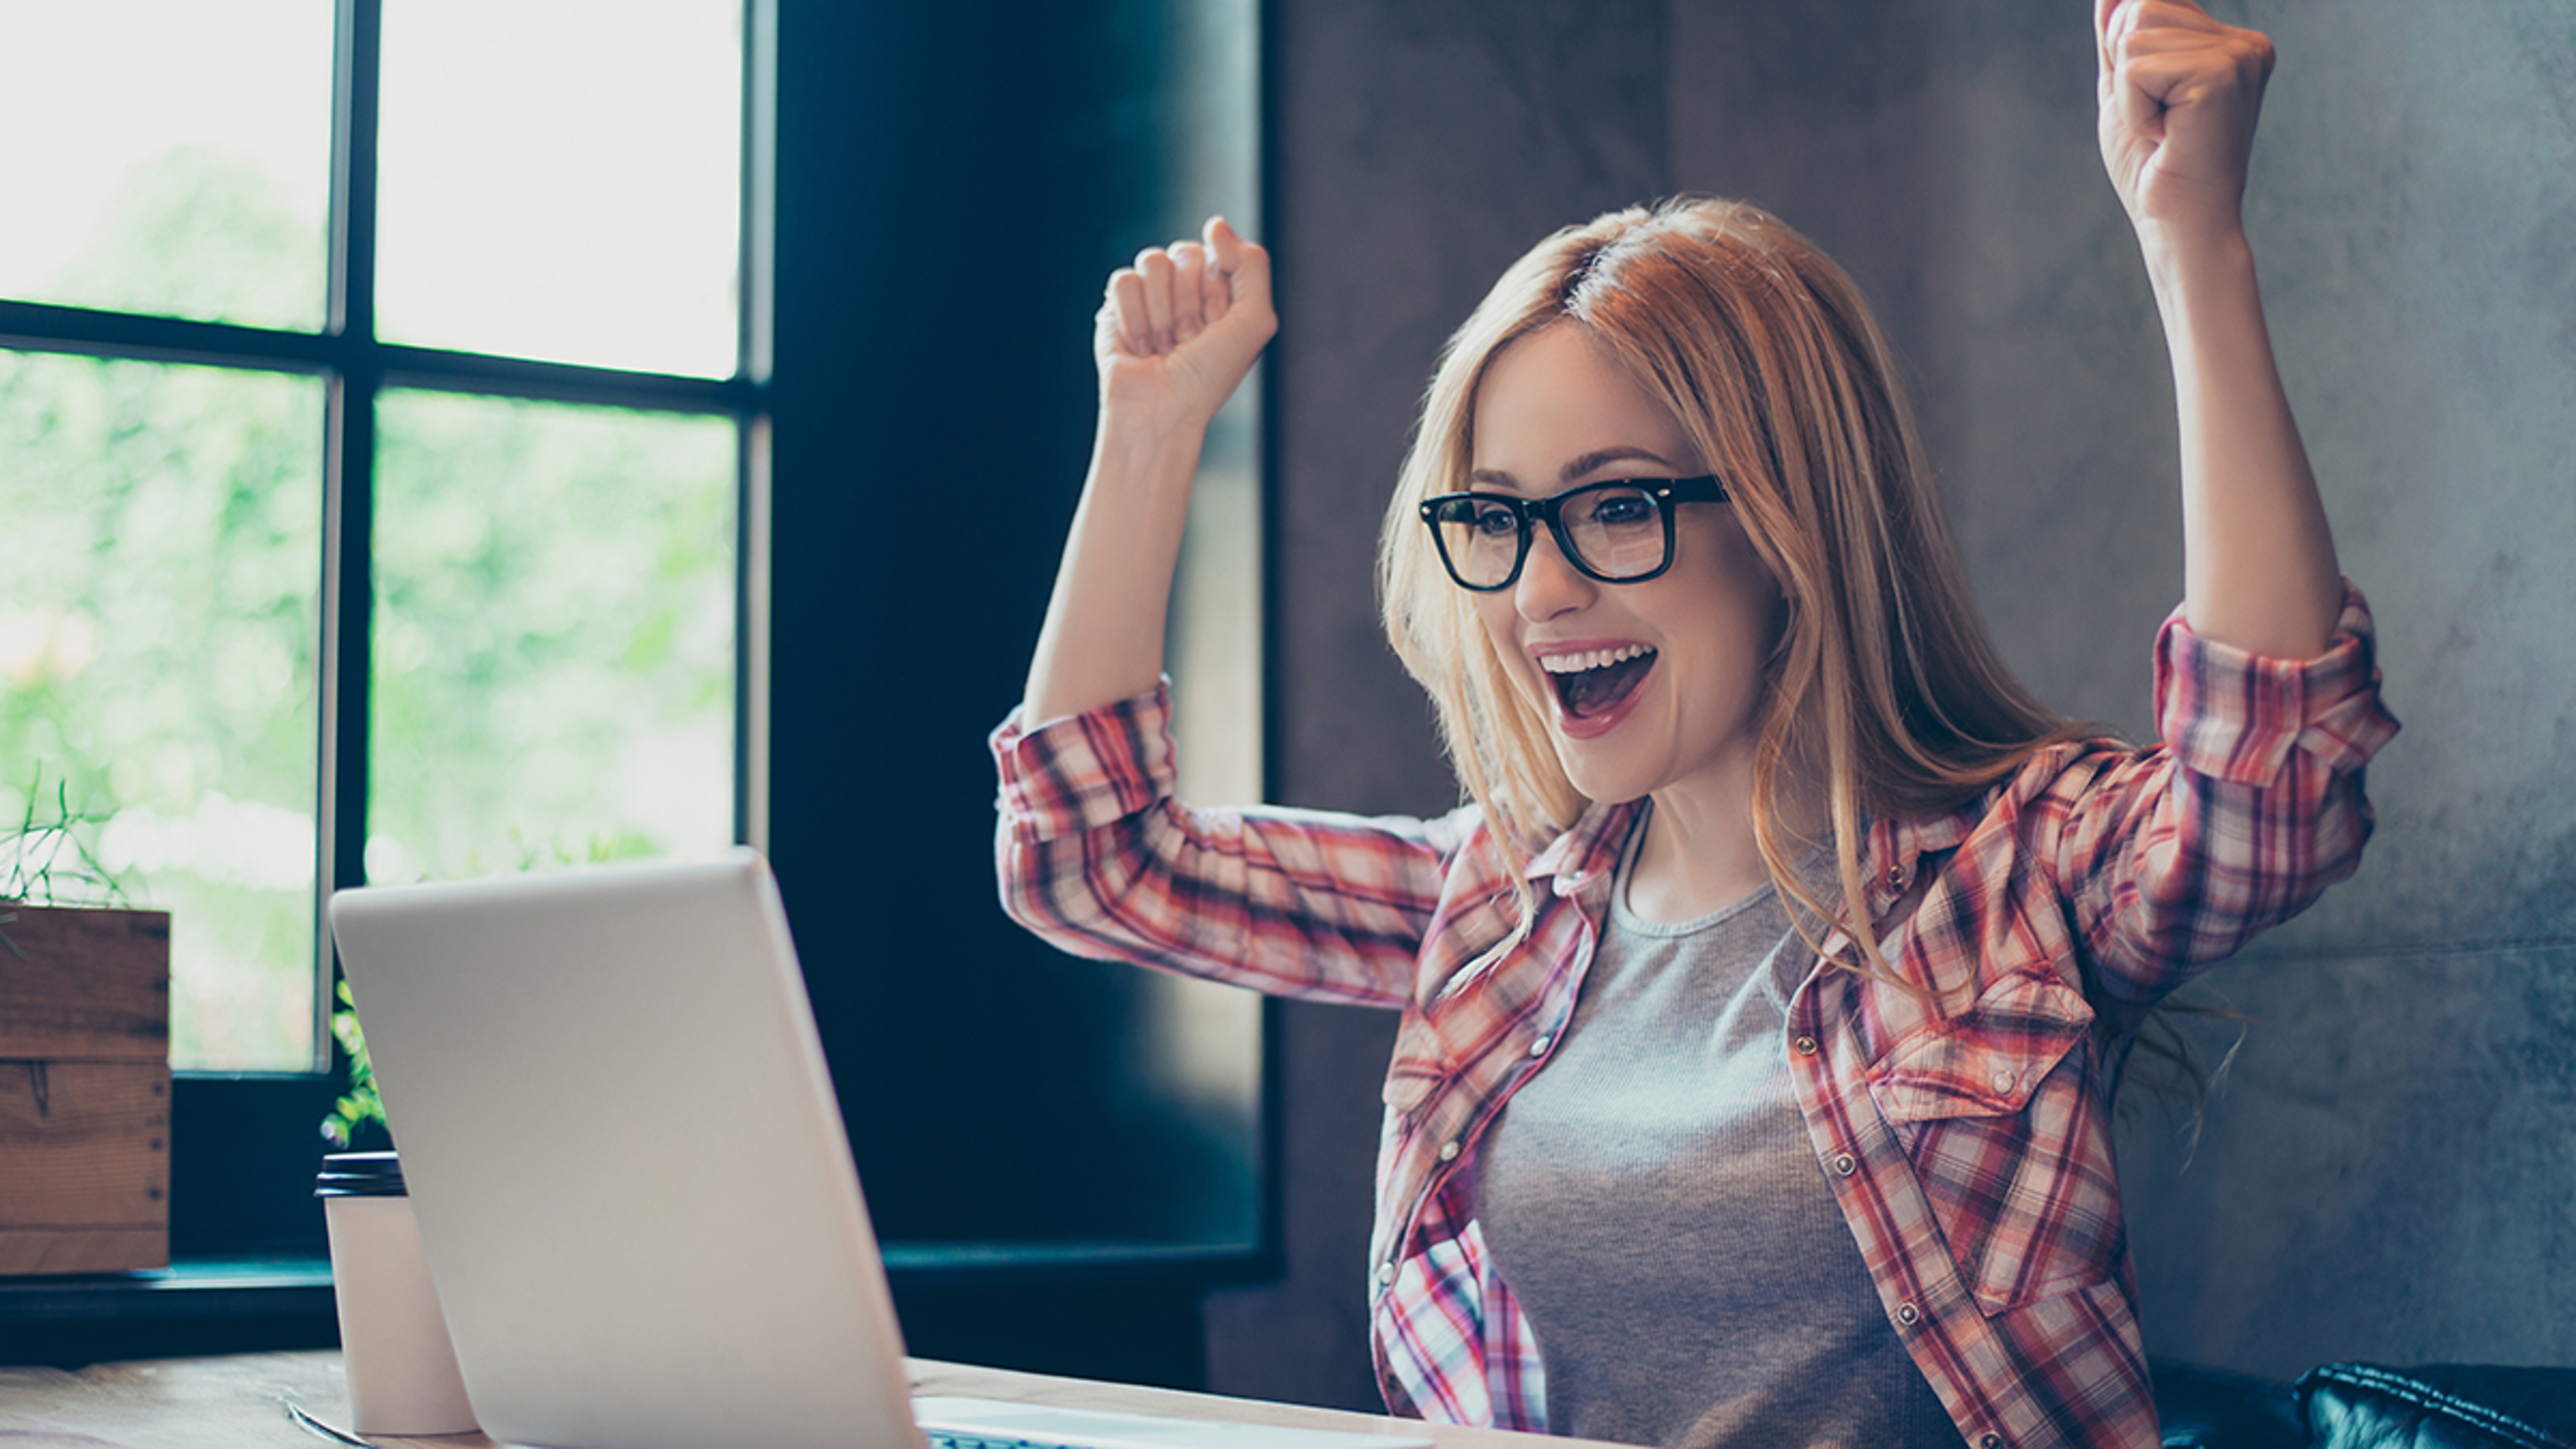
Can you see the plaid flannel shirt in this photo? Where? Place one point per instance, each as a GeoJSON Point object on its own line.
{"type": "Point", "coordinates": [1964, 1129]}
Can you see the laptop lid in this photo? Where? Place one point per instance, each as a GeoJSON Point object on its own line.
{"type": "Point", "coordinates": [626, 1158]}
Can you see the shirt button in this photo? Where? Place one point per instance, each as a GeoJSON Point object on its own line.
{"type": "Point", "coordinates": [1386, 1272]}
{"type": "Point", "coordinates": [1448, 1151]}
{"type": "Point", "coordinates": [1991, 1441]}
{"type": "Point", "coordinates": [1896, 877]}
{"type": "Point", "coordinates": [1538, 1048]}
{"type": "Point", "coordinates": [2003, 1081]}
{"type": "Point", "coordinates": [1806, 1046]}
{"type": "Point", "coordinates": [1908, 1314]}
{"type": "Point", "coordinates": [1845, 1164]}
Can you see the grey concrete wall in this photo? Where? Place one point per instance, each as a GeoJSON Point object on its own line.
{"type": "Point", "coordinates": [2388, 1169]}
{"type": "Point", "coordinates": [2390, 1174]}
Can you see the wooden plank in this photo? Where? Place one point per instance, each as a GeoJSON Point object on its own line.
{"type": "Point", "coordinates": [241, 1401]}
{"type": "Point", "coordinates": [84, 1144]}
{"type": "Point", "coordinates": [83, 1250]}
{"type": "Point", "coordinates": [92, 985]}
{"type": "Point", "coordinates": [250, 1401]}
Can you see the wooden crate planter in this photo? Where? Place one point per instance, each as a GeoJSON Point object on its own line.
{"type": "Point", "coordinates": [84, 1091]}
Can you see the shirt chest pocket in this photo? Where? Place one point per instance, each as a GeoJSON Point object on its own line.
{"type": "Point", "coordinates": [2012, 1154]}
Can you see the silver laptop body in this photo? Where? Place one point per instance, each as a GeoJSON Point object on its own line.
{"type": "Point", "coordinates": [633, 1187]}
{"type": "Point", "coordinates": [627, 1161]}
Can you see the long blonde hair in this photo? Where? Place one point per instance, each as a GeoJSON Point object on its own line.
{"type": "Point", "coordinates": [1884, 679]}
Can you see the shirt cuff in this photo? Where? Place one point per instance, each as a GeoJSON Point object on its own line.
{"type": "Point", "coordinates": [2238, 716]}
{"type": "Point", "coordinates": [1085, 770]}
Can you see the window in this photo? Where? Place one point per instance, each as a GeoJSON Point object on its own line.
{"type": "Point", "coordinates": [382, 415]}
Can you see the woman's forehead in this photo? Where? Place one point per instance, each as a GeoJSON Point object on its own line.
{"type": "Point", "coordinates": [1556, 404]}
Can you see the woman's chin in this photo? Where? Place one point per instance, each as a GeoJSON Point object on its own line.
{"type": "Point", "coordinates": [1598, 774]}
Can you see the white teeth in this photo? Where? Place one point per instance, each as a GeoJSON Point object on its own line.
{"type": "Point", "coordinates": [1591, 659]}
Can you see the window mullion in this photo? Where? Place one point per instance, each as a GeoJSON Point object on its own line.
{"type": "Point", "coordinates": [348, 480]}
{"type": "Point", "coordinates": [354, 94]}
{"type": "Point", "coordinates": [756, 264]}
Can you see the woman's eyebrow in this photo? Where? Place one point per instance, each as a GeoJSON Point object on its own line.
{"type": "Point", "coordinates": [1581, 465]}
{"type": "Point", "coordinates": [1599, 457]}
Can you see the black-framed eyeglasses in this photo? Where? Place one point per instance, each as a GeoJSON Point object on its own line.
{"type": "Point", "coordinates": [1619, 532]}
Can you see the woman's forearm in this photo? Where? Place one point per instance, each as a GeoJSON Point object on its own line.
{"type": "Point", "coordinates": [2179, 94]}
{"type": "Point", "coordinates": [2259, 568]}
{"type": "Point", "coordinates": [1174, 337]}
{"type": "Point", "coordinates": [1103, 637]}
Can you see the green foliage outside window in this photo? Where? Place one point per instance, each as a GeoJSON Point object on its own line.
{"type": "Point", "coordinates": [158, 622]}
{"type": "Point", "coordinates": [554, 636]}
{"type": "Point", "coordinates": [553, 643]}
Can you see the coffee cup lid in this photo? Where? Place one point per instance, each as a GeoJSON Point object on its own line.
{"type": "Point", "coordinates": [360, 1174]}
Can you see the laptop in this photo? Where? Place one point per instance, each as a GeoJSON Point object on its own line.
{"type": "Point", "coordinates": [633, 1187]}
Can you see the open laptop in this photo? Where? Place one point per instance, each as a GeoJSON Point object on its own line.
{"type": "Point", "coordinates": [628, 1164]}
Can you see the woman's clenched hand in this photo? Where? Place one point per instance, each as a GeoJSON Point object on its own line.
{"type": "Point", "coordinates": [1179, 329]}
{"type": "Point", "coordinates": [2179, 93]}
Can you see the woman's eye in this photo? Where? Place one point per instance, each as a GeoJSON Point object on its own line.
{"type": "Point", "coordinates": [1496, 520]}
{"type": "Point", "coordinates": [1623, 509]}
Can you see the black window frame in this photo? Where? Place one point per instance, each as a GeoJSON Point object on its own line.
{"type": "Point", "coordinates": [1031, 155]}
{"type": "Point", "coordinates": [244, 1145]}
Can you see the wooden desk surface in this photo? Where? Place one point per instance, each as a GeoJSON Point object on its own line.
{"type": "Point", "coordinates": [253, 1401]}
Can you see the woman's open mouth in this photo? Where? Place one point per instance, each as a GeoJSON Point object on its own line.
{"type": "Point", "coordinates": [1595, 681]}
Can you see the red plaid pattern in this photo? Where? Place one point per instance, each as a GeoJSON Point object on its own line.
{"type": "Point", "coordinates": [1963, 1127]}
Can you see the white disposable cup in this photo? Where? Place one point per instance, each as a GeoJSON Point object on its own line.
{"type": "Point", "coordinates": [393, 1339]}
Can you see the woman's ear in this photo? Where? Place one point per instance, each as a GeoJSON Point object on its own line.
{"type": "Point", "coordinates": [1783, 617]}
{"type": "Point", "coordinates": [1783, 624]}
{"type": "Point", "coordinates": [1784, 610]}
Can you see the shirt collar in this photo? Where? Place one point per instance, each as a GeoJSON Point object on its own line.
{"type": "Point", "coordinates": [1585, 857]}
{"type": "Point", "coordinates": [1896, 846]}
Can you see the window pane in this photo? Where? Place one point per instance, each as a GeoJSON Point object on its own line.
{"type": "Point", "coordinates": [167, 156]}
{"type": "Point", "coordinates": [158, 623]}
{"type": "Point", "coordinates": [532, 190]}
{"type": "Point", "coordinates": [554, 636]}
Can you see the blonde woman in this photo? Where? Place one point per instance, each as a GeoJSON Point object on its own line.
{"type": "Point", "coordinates": [1763, 1010]}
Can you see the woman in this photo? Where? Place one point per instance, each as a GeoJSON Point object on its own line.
{"type": "Point", "coordinates": [1762, 1014]}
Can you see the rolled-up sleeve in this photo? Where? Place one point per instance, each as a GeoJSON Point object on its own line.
{"type": "Point", "coordinates": [1084, 770]}
{"type": "Point", "coordinates": [1093, 854]}
{"type": "Point", "coordinates": [2176, 856]}
{"type": "Point", "coordinates": [2241, 717]}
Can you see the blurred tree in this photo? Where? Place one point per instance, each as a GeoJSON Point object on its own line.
{"type": "Point", "coordinates": [158, 623]}
{"type": "Point", "coordinates": [193, 233]}
{"type": "Point", "coordinates": [554, 635]}
{"type": "Point", "coordinates": [554, 645]}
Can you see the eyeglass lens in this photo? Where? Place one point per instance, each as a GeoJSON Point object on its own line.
{"type": "Point", "coordinates": [1616, 533]}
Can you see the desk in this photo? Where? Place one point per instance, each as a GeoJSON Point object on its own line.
{"type": "Point", "coordinates": [248, 1401]}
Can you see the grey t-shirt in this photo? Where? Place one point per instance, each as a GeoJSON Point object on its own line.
{"type": "Point", "coordinates": [1655, 1204]}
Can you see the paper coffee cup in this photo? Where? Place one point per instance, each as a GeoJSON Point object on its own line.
{"type": "Point", "coordinates": [393, 1339]}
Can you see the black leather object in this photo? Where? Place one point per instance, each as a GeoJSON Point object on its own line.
{"type": "Point", "coordinates": [2439, 1406]}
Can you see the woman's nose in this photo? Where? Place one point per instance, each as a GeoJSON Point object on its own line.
{"type": "Point", "coordinates": [1549, 585]}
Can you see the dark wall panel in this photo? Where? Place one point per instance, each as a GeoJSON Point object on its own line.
{"type": "Point", "coordinates": [954, 182]}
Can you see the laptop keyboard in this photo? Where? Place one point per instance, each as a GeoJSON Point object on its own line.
{"type": "Point", "coordinates": [940, 1439]}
